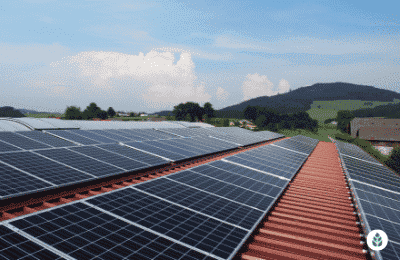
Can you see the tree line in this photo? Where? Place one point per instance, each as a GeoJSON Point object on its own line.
{"type": "Point", "coordinates": [270, 119]}
{"type": "Point", "coordinates": [10, 112]}
{"type": "Point", "coordinates": [90, 112]}
{"type": "Point", "coordinates": [192, 112]}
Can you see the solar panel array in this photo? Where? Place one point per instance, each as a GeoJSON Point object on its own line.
{"type": "Point", "coordinates": [377, 192]}
{"type": "Point", "coordinates": [206, 212]}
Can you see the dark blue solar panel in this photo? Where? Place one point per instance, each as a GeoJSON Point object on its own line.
{"type": "Point", "coordinates": [144, 133]}
{"type": "Point", "coordinates": [189, 227]}
{"type": "Point", "coordinates": [172, 148]}
{"type": "Point", "coordinates": [13, 182]}
{"type": "Point", "coordinates": [220, 208]}
{"type": "Point", "coordinates": [115, 134]}
{"type": "Point", "coordinates": [129, 136]}
{"type": "Point", "coordinates": [294, 146]}
{"type": "Point", "coordinates": [44, 168]}
{"type": "Point", "coordinates": [16, 246]}
{"type": "Point", "coordinates": [83, 232]}
{"type": "Point", "coordinates": [156, 134]}
{"type": "Point", "coordinates": [21, 141]}
{"type": "Point", "coordinates": [151, 160]}
{"type": "Point", "coordinates": [4, 147]}
{"type": "Point", "coordinates": [155, 150]}
{"type": "Point", "coordinates": [224, 189]}
{"type": "Point", "coordinates": [112, 158]}
{"type": "Point", "coordinates": [259, 166]}
{"type": "Point", "coordinates": [46, 138]}
{"type": "Point", "coordinates": [72, 137]}
{"type": "Point", "coordinates": [81, 162]}
{"type": "Point", "coordinates": [191, 146]}
{"type": "Point", "coordinates": [94, 136]}
{"type": "Point", "coordinates": [245, 172]}
{"type": "Point", "coordinates": [200, 145]}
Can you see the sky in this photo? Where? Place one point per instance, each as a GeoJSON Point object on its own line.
{"type": "Point", "coordinates": [148, 56]}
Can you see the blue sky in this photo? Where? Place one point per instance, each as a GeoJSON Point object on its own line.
{"type": "Point", "coordinates": [152, 55]}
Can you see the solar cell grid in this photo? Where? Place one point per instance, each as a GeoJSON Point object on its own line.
{"type": "Point", "coordinates": [15, 182]}
{"type": "Point", "coordinates": [134, 135]}
{"type": "Point", "coordinates": [259, 166]}
{"type": "Point", "coordinates": [276, 158]}
{"type": "Point", "coordinates": [45, 138]}
{"type": "Point", "coordinates": [5, 147]}
{"type": "Point", "coordinates": [21, 141]}
{"type": "Point", "coordinates": [116, 135]}
{"type": "Point", "coordinates": [72, 137]}
{"type": "Point", "coordinates": [391, 229]}
{"type": "Point", "coordinates": [374, 190]}
{"type": "Point", "coordinates": [158, 134]}
{"type": "Point", "coordinates": [143, 133]}
{"type": "Point", "coordinates": [16, 246]}
{"type": "Point", "coordinates": [81, 162]}
{"type": "Point", "coordinates": [44, 168]}
{"type": "Point", "coordinates": [198, 143]}
{"type": "Point", "coordinates": [161, 144]}
{"type": "Point", "coordinates": [223, 189]}
{"type": "Point", "coordinates": [190, 146]}
{"type": "Point", "coordinates": [134, 154]}
{"type": "Point", "coordinates": [83, 232]}
{"type": "Point", "coordinates": [268, 161]}
{"type": "Point", "coordinates": [93, 136]}
{"type": "Point", "coordinates": [155, 150]}
{"type": "Point", "coordinates": [194, 229]}
{"type": "Point", "coordinates": [110, 157]}
{"type": "Point", "coordinates": [374, 175]}
{"type": "Point", "coordinates": [248, 173]}
{"type": "Point", "coordinates": [210, 204]}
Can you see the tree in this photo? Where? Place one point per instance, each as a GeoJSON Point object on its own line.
{"type": "Point", "coordinates": [394, 159]}
{"type": "Point", "coordinates": [91, 111]}
{"type": "Point", "coordinates": [261, 121]}
{"type": "Point", "coordinates": [188, 118]}
{"type": "Point", "coordinates": [132, 114]}
{"type": "Point", "coordinates": [225, 122]}
{"type": "Point", "coordinates": [10, 112]}
{"type": "Point", "coordinates": [102, 114]}
{"type": "Point", "coordinates": [251, 113]}
{"type": "Point", "coordinates": [209, 110]}
{"type": "Point", "coordinates": [206, 118]}
{"type": "Point", "coordinates": [73, 112]}
{"type": "Point", "coordinates": [111, 112]}
{"type": "Point", "coordinates": [193, 109]}
{"type": "Point", "coordinates": [343, 120]}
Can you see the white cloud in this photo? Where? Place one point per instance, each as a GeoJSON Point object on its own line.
{"type": "Point", "coordinates": [284, 86]}
{"type": "Point", "coordinates": [151, 77]}
{"type": "Point", "coordinates": [257, 85]}
{"type": "Point", "coordinates": [221, 94]}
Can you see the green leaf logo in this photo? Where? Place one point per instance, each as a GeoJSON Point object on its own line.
{"type": "Point", "coordinates": [377, 240]}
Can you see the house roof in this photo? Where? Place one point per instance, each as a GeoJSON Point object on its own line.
{"type": "Point", "coordinates": [379, 133]}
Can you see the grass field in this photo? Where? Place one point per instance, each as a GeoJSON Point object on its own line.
{"type": "Point", "coordinates": [322, 110]}
{"type": "Point", "coordinates": [322, 134]}
{"type": "Point", "coordinates": [44, 115]}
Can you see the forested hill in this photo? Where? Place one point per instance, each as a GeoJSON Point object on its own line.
{"type": "Point", "coordinates": [302, 98]}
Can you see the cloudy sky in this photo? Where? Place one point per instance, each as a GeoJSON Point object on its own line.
{"type": "Point", "coordinates": [152, 55]}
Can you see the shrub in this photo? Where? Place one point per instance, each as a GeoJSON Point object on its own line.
{"type": "Point", "coordinates": [394, 159]}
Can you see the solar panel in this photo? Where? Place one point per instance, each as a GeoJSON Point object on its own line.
{"type": "Point", "coordinates": [16, 246]}
{"type": "Point", "coordinates": [179, 150]}
{"type": "Point", "coordinates": [198, 143]}
{"type": "Point", "coordinates": [226, 189]}
{"type": "Point", "coordinates": [190, 146]}
{"type": "Point", "coordinates": [21, 141]}
{"type": "Point", "coordinates": [151, 160]}
{"type": "Point", "coordinates": [294, 146]}
{"type": "Point", "coordinates": [258, 164]}
{"type": "Point", "coordinates": [94, 136]}
{"type": "Point", "coordinates": [109, 157]}
{"type": "Point", "coordinates": [182, 224]}
{"type": "Point", "coordinates": [81, 162]}
{"type": "Point", "coordinates": [129, 136]}
{"type": "Point", "coordinates": [45, 138]}
{"type": "Point", "coordinates": [241, 175]}
{"type": "Point", "coordinates": [142, 133]}
{"type": "Point", "coordinates": [207, 203]}
{"type": "Point", "coordinates": [5, 147]}
{"type": "Point", "coordinates": [112, 135]}
{"type": "Point", "coordinates": [72, 137]}
{"type": "Point", "coordinates": [84, 232]}
{"type": "Point", "coordinates": [158, 134]}
{"type": "Point", "coordinates": [155, 150]}
{"type": "Point", "coordinates": [50, 171]}
{"type": "Point", "coordinates": [14, 182]}
{"type": "Point", "coordinates": [132, 136]}
{"type": "Point", "coordinates": [377, 193]}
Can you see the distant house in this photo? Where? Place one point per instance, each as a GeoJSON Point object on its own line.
{"type": "Point", "coordinates": [123, 114]}
{"type": "Point", "coordinates": [144, 115]}
{"type": "Point", "coordinates": [378, 131]}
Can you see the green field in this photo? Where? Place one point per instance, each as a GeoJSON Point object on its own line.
{"type": "Point", "coordinates": [322, 134]}
{"type": "Point", "coordinates": [322, 110]}
{"type": "Point", "coordinates": [44, 115]}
